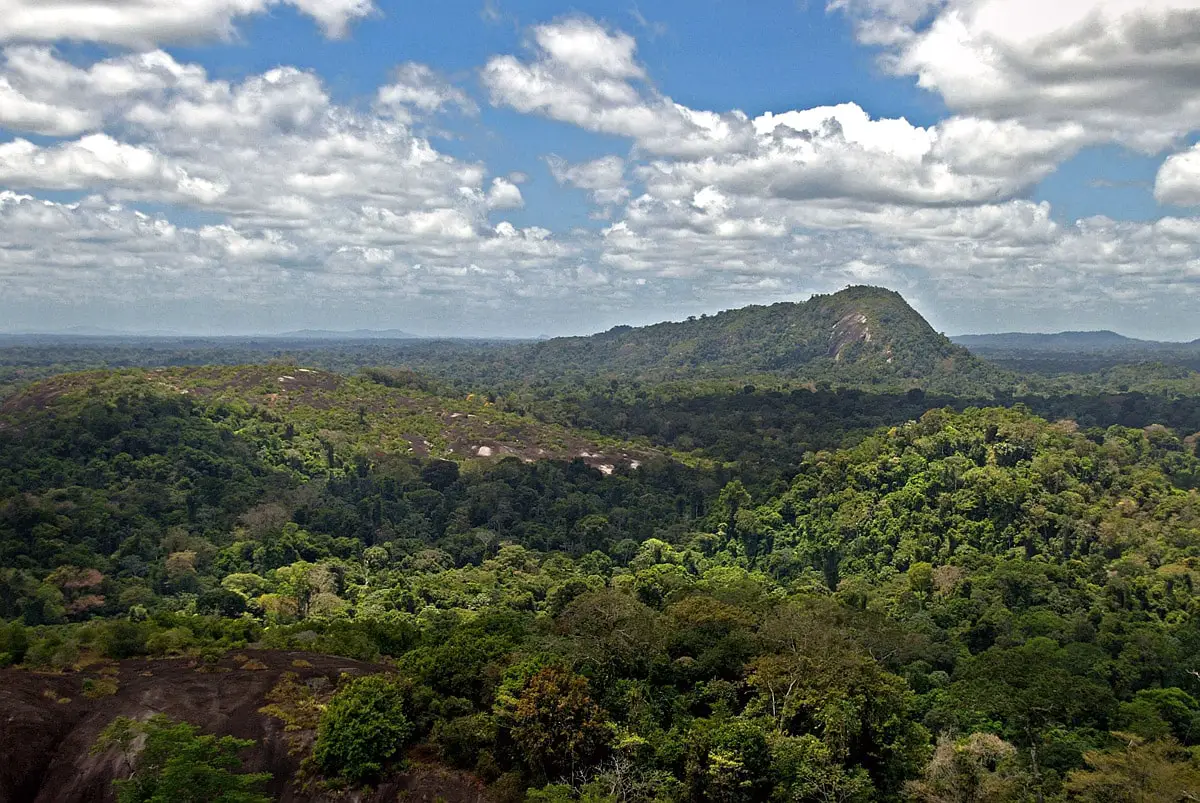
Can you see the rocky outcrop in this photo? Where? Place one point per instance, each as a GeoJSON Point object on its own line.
{"type": "Point", "coordinates": [48, 724]}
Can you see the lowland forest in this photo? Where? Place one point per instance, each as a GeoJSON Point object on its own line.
{"type": "Point", "coordinates": [800, 552]}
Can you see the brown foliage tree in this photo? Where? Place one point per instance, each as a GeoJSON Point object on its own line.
{"type": "Point", "coordinates": [553, 722]}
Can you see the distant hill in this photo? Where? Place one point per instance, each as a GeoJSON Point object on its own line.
{"type": "Point", "coordinates": [356, 334]}
{"type": "Point", "coordinates": [1102, 340]}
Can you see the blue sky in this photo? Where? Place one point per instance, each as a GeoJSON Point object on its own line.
{"type": "Point", "coordinates": [522, 168]}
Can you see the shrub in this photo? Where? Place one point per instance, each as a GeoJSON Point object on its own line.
{"type": "Point", "coordinates": [363, 727]}
{"type": "Point", "coordinates": [100, 687]}
{"type": "Point", "coordinates": [123, 639]}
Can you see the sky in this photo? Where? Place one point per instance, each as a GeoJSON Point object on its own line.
{"type": "Point", "coordinates": [527, 167]}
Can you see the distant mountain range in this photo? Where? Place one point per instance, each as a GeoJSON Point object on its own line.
{"type": "Point", "coordinates": [1076, 342]}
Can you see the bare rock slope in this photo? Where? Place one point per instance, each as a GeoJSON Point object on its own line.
{"type": "Point", "coordinates": [48, 726]}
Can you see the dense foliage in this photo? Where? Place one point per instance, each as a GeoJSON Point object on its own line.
{"type": "Point", "coordinates": [786, 591]}
{"type": "Point", "coordinates": [860, 629]}
{"type": "Point", "coordinates": [764, 430]}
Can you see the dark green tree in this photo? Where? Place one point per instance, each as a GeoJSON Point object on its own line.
{"type": "Point", "coordinates": [363, 728]}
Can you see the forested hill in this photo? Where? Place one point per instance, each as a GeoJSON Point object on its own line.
{"type": "Point", "coordinates": [305, 418]}
{"type": "Point", "coordinates": [860, 330]}
{"type": "Point", "coordinates": [1079, 352]}
{"type": "Point", "coordinates": [861, 335]}
{"type": "Point", "coordinates": [747, 588]}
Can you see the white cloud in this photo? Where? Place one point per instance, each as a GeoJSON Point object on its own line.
{"type": "Point", "coordinates": [275, 145]}
{"type": "Point", "coordinates": [1124, 69]}
{"type": "Point", "coordinates": [316, 198]}
{"type": "Point", "coordinates": [811, 198]}
{"type": "Point", "coordinates": [22, 114]}
{"type": "Point", "coordinates": [110, 253]}
{"type": "Point", "coordinates": [1178, 180]}
{"type": "Point", "coordinates": [588, 76]}
{"type": "Point", "coordinates": [1009, 256]}
{"type": "Point", "coordinates": [503, 194]}
{"type": "Point", "coordinates": [604, 178]}
{"type": "Point", "coordinates": [146, 23]}
{"type": "Point", "coordinates": [97, 160]}
{"type": "Point", "coordinates": [335, 16]}
{"type": "Point", "coordinates": [583, 47]}
{"type": "Point", "coordinates": [269, 246]}
{"type": "Point", "coordinates": [840, 152]}
{"type": "Point", "coordinates": [419, 87]}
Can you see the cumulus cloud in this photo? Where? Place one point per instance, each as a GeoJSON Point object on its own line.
{"type": "Point", "coordinates": [315, 198]}
{"type": "Point", "coordinates": [147, 23]}
{"type": "Point", "coordinates": [1178, 180]}
{"type": "Point", "coordinates": [104, 252]}
{"type": "Point", "coordinates": [1124, 69]}
{"type": "Point", "coordinates": [813, 197]}
{"type": "Point", "coordinates": [586, 75]}
{"type": "Point", "coordinates": [841, 152]}
{"type": "Point", "coordinates": [504, 194]}
{"type": "Point", "coordinates": [1010, 256]}
{"type": "Point", "coordinates": [274, 144]}
{"type": "Point", "coordinates": [23, 114]}
{"type": "Point", "coordinates": [98, 160]}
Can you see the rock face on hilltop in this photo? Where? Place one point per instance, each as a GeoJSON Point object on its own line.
{"type": "Point", "coordinates": [49, 725]}
{"type": "Point", "coordinates": [858, 334]}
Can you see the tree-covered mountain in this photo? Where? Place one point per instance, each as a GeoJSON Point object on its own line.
{"type": "Point", "coordinates": [822, 341]}
{"type": "Point", "coordinates": [861, 334]}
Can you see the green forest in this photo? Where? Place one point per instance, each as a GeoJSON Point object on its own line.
{"type": "Point", "coordinates": [890, 572]}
